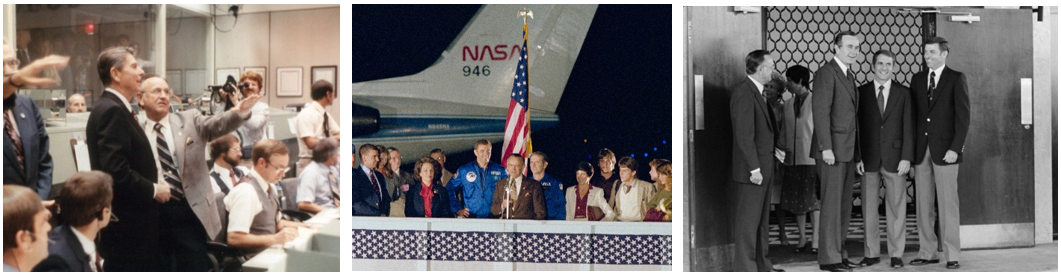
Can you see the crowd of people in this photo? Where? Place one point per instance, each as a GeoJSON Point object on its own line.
{"type": "Point", "coordinates": [486, 189]}
{"type": "Point", "coordinates": [815, 141]}
{"type": "Point", "coordinates": [150, 170]}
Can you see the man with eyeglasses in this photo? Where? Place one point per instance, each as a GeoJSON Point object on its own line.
{"type": "Point", "coordinates": [226, 173]}
{"type": "Point", "coordinates": [27, 161]}
{"type": "Point", "coordinates": [86, 202]}
{"type": "Point", "coordinates": [178, 142]}
{"type": "Point", "coordinates": [253, 206]}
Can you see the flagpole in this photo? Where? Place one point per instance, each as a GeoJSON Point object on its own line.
{"type": "Point", "coordinates": [524, 13]}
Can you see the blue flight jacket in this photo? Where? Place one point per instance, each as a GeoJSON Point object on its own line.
{"type": "Point", "coordinates": [555, 204]}
{"type": "Point", "coordinates": [477, 185]}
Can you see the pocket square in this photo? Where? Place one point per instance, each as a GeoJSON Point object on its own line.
{"type": "Point", "coordinates": [189, 141]}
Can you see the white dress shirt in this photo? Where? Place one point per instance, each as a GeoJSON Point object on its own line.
{"type": "Point", "coordinates": [90, 248]}
{"type": "Point", "coordinates": [225, 178]}
{"type": "Point", "coordinates": [310, 123]}
{"type": "Point", "coordinates": [843, 67]}
{"type": "Point", "coordinates": [939, 72]}
{"type": "Point", "coordinates": [243, 204]}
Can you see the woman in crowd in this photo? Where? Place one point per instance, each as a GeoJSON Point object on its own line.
{"type": "Point", "coordinates": [800, 178]}
{"type": "Point", "coordinates": [426, 197]}
{"type": "Point", "coordinates": [586, 202]}
{"type": "Point", "coordinates": [659, 206]}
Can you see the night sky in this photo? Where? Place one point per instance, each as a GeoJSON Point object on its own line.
{"type": "Point", "coordinates": [618, 95]}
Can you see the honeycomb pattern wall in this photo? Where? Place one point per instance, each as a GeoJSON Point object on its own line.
{"type": "Point", "coordinates": [803, 36]}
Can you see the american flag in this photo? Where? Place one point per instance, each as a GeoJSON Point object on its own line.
{"type": "Point", "coordinates": [517, 124]}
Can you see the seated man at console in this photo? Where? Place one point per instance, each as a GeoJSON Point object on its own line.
{"type": "Point", "coordinates": [318, 185]}
{"type": "Point", "coordinates": [253, 206]}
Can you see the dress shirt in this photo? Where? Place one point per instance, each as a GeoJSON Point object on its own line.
{"type": "Point", "coordinates": [90, 248]}
{"type": "Point", "coordinates": [939, 73]}
{"type": "Point", "coordinates": [253, 129]}
{"type": "Point", "coordinates": [310, 123]}
{"type": "Point", "coordinates": [243, 204]}
{"type": "Point", "coordinates": [225, 178]}
{"type": "Point", "coordinates": [314, 186]}
{"type": "Point", "coordinates": [843, 66]}
{"type": "Point", "coordinates": [167, 134]}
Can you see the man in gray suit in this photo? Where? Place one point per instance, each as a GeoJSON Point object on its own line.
{"type": "Point", "coordinates": [179, 142]}
{"type": "Point", "coordinates": [835, 105]}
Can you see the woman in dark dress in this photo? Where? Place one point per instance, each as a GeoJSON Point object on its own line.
{"type": "Point", "coordinates": [426, 197]}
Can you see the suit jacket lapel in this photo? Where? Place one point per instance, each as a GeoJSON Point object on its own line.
{"type": "Point", "coordinates": [943, 82]}
{"type": "Point", "coordinates": [176, 123]}
{"type": "Point", "coordinates": [26, 129]}
{"type": "Point", "coordinates": [75, 245]}
{"type": "Point", "coordinates": [758, 96]}
{"type": "Point", "coordinates": [893, 99]}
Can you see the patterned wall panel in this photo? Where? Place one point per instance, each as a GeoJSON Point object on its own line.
{"type": "Point", "coordinates": [512, 247]}
{"type": "Point", "coordinates": [803, 36]}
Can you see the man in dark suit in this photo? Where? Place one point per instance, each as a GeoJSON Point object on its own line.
{"type": "Point", "coordinates": [518, 197]}
{"type": "Point", "coordinates": [118, 146]}
{"type": "Point", "coordinates": [179, 145]}
{"type": "Point", "coordinates": [753, 163]}
{"type": "Point", "coordinates": [887, 146]}
{"type": "Point", "coordinates": [941, 111]}
{"type": "Point", "coordinates": [86, 202]}
{"type": "Point", "coordinates": [370, 196]}
{"type": "Point", "coordinates": [27, 161]}
{"type": "Point", "coordinates": [833, 144]}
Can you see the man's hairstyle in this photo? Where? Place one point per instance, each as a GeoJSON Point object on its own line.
{"type": "Point", "coordinates": [392, 149]}
{"type": "Point", "coordinates": [320, 89]}
{"type": "Point", "coordinates": [420, 164]}
{"type": "Point", "coordinates": [438, 151]}
{"type": "Point", "coordinates": [754, 60]}
{"type": "Point", "coordinates": [84, 196]}
{"type": "Point", "coordinates": [799, 74]}
{"type": "Point", "coordinates": [545, 158]}
{"type": "Point", "coordinates": [884, 52]}
{"type": "Point", "coordinates": [253, 76]}
{"type": "Point", "coordinates": [940, 41]}
{"type": "Point", "coordinates": [628, 162]}
{"type": "Point", "coordinates": [113, 57]}
{"type": "Point", "coordinates": [266, 148]}
{"type": "Point", "coordinates": [605, 153]}
{"type": "Point", "coordinates": [482, 142]}
{"type": "Point", "coordinates": [656, 162]}
{"type": "Point", "coordinates": [222, 145]}
{"type": "Point", "coordinates": [21, 206]}
{"type": "Point", "coordinates": [585, 167]}
{"type": "Point", "coordinates": [325, 149]}
{"type": "Point", "coordinates": [516, 155]}
{"type": "Point", "coordinates": [365, 148]}
{"type": "Point", "coordinates": [839, 38]}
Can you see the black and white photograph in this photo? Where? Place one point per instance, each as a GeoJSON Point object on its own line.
{"type": "Point", "coordinates": [870, 139]}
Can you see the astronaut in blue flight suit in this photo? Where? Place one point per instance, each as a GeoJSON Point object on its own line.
{"type": "Point", "coordinates": [475, 181]}
{"type": "Point", "coordinates": [555, 204]}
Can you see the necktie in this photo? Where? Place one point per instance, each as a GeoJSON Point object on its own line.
{"type": "Point", "coordinates": [98, 262]}
{"type": "Point", "coordinates": [931, 84]}
{"type": "Point", "coordinates": [231, 175]}
{"type": "Point", "coordinates": [9, 127]}
{"type": "Point", "coordinates": [334, 186]}
{"type": "Point", "coordinates": [880, 99]}
{"type": "Point", "coordinates": [169, 170]}
{"type": "Point", "coordinates": [375, 184]}
{"type": "Point", "coordinates": [327, 131]}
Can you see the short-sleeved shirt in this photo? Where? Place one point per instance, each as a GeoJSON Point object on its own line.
{"type": "Point", "coordinates": [315, 185]}
{"type": "Point", "coordinates": [243, 204]}
{"type": "Point", "coordinates": [253, 130]}
{"type": "Point", "coordinates": [310, 123]}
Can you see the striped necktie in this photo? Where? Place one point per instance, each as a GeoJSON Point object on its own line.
{"type": "Point", "coordinates": [9, 127]}
{"type": "Point", "coordinates": [169, 169]}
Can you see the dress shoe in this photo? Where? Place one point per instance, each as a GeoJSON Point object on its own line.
{"type": "Point", "coordinates": [800, 248]}
{"type": "Point", "coordinates": [777, 270]}
{"type": "Point", "coordinates": [923, 262]}
{"type": "Point", "coordinates": [834, 268]}
{"type": "Point", "coordinates": [869, 261]}
{"type": "Point", "coordinates": [848, 264]}
{"type": "Point", "coordinates": [897, 263]}
{"type": "Point", "coordinates": [814, 251]}
{"type": "Point", "coordinates": [953, 265]}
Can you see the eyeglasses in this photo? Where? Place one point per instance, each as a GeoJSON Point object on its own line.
{"type": "Point", "coordinates": [239, 150]}
{"type": "Point", "coordinates": [278, 169]}
{"type": "Point", "coordinates": [13, 62]}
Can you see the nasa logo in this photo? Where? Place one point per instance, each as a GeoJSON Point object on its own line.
{"type": "Point", "coordinates": [497, 52]}
{"type": "Point", "coordinates": [470, 177]}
